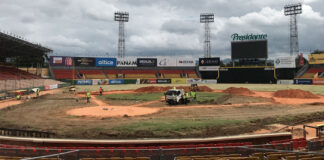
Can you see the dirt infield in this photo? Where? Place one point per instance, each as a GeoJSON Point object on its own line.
{"type": "Point", "coordinates": [152, 89]}
{"type": "Point", "coordinates": [238, 91]}
{"type": "Point", "coordinates": [105, 110]}
{"type": "Point", "coordinates": [294, 93]}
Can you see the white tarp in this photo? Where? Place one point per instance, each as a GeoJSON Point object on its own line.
{"type": "Point", "coordinates": [166, 62]}
{"type": "Point", "coordinates": [285, 62]}
{"type": "Point", "coordinates": [189, 62]}
{"type": "Point", "coordinates": [127, 62]}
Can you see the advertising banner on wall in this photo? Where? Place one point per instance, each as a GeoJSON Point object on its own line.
{"type": "Point", "coordinates": [127, 62]}
{"type": "Point", "coordinates": [303, 81]}
{"type": "Point", "coordinates": [193, 81]}
{"type": "Point", "coordinates": [208, 82]}
{"type": "Point", "coordinates": [146, 62]}
{"type": "Point", "coordinates": [178, 80]}
{"type": "Point", "coordinates": [84, 61]}
{"type": "Point", "coordinates": [186, 62]}
{"type": "Point", "coordinates": [116, 81]}
{"type": "Point", "coordinates": [166, 62]}
{"type": "Point", "coordinates": [215, 61]}
{"type": "Point", "coordinates": [208, 68]}
{"type": "Point", "coordinates": [100, 82]}
{"type": "Point", "coordinates": [148, 81]}
{"type": "Point", "coordinates": [285, 82]}
{"type": "Point", "coordinates": [106, 62]}
{"type": "Point", "coordinates": [285, 62]}
{"type": "Point", "coordinates": [83, 82]}
{"type": "Point", "coordinates": [318, 81]}
{"type": "Point", "coordinates": [316, 58]}
{"type": "Point", "coordinates": [163, 81]}
{"type": "Point", "coordinates": [53, 86]}
{"type": "Point", "coordinates": [61, 61]}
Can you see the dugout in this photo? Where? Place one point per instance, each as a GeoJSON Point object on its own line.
{"type": "Point", "coordinates": [260, 74]}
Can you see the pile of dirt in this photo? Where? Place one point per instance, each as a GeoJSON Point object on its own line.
{"type": "Point", "coordinates": [151, 89]}
{"type": "Point", "coordinates": [294, 93]}
{"type": "Point", "coordinates": [238, 91]}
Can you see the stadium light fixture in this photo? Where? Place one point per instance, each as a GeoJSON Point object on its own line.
{"type": "Point", "coordinates": [207, 18]}
{"type": "Point", "coordinates": [293, 10]}
{"type": "Point", "coordinates": [121, 17]}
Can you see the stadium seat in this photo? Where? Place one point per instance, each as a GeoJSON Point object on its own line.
{"type": "Point", "coordinates": [93, 74]}
{"type": "Point", "coordinates": [171, 75]}
{"type": "Point", "coordinates": [192, 75]}
{"type": "Point", "coordinates": [65, 74]}
{"type": "Point", "coordinates": [140, 76]}
{"type": "Point", "coordinates": [7, 73]}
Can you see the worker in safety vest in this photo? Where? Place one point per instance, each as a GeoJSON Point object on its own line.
{"type": "Point", "coordinates": [37, 93]}
{"type": "Point", "coordinates": [100, 91]}
{"type": "Point", "coordinates": [174, 88]}
{"type": "Point", "coordinates": [88, 96]}
{"type": "Point", "coordinates": [187, 98]}
{"type": "Point", "coordinates": [18, 97]}
{"type": "Point", "coordinates": [193, 94]}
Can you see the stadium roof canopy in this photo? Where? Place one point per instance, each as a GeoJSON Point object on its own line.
{"type": "Point", "coordinates": [12, 47]}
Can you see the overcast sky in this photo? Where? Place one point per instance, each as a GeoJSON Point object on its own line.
{"type": "Point", "coordinates": [158, 27]}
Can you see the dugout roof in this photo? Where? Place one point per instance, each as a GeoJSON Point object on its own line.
{"type": "Point", "coordinates": [12, 47]}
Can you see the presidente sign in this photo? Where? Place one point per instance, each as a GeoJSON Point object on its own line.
{"type": "Point", "coordinates": [249, 37]}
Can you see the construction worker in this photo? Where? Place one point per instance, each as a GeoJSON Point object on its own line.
{"type": "Point", "coordinates": [18, 97]}
{"type": "Point", "coordinates": [174, 88]}
{"type": "Point", "coordinates": [88, 96]}
{"type": "Point", "coordinates": [37, 93]}
{"type": "Point", "coordinates": [193, 94]}
{"type": "Point", "coordinates": [100, 91]}
{"type": "Point", "coordinates": [187, 98]}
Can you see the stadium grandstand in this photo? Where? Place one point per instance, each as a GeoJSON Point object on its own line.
{"type": "Point", "coordinates": [22, 65]}
{"type": "Point", "coordinates": [314, 69]}
{"type": "Point", "coordinates": [67, 68]}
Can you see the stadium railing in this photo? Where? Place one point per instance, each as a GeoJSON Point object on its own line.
{"type": "Point", "coordinates": [183, 152]}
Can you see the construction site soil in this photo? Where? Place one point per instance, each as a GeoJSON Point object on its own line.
{"type": "Point", "coordinates": [238, 91]}
{"type": "Point", "coordinates": [241, 112]}
{"type": "Point", "coordinates": [294, 93]}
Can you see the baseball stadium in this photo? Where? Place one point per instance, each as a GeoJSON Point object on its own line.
{"type": "Point", "coordinates": [160, 107]}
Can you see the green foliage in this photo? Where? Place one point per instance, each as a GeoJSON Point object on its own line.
{"type": "Point", "coordinates": [208, 96]}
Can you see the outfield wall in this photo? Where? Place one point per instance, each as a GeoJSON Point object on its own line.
{"type": "Point", "coordinates": [143, 81]}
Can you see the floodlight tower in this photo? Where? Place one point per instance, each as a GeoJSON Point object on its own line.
{"type": "Point", "coordinates": [121, 17]}
{"type": "Point", "coordinates": [207, 18]}
{"type": "Point", "coordinates": [293, 10]}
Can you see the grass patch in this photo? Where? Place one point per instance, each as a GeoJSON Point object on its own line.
{"type": "Point", "coordinates": [208, 96]}
{"type": "Point", "coordinates": [133, 96]}
{"type": "Point", "coordinates": [175, 125]}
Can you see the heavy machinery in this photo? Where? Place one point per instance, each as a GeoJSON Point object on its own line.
{"type": "Point", "coordinates": [194, 87]}
{"type": "Point", "coordinates": [175, 96]}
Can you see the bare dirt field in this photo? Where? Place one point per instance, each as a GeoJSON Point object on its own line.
{"type": "Point", "coordinates": [68, 115]}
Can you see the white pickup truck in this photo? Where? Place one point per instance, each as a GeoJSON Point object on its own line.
{"type": "Point", "coordinates": [175, 96]}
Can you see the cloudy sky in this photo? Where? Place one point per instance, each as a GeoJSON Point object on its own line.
{"type": "Point", "coordinates": [158, 27]}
